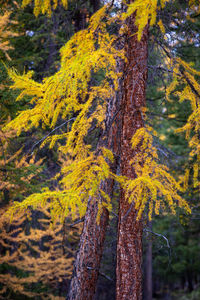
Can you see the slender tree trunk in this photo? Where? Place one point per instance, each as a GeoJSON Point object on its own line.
{"type": "Point", "coordinates": [88, 259]}
{"type": "Point", "coordinates": [148, 269]}
{"type": "Point", "coordinates": [87, 264]}
{"type": "Point", "coordinates": [95, 4]}
{"type": "Point", "coordinates": [190, 281]}
{"type": "Point", "coordinates": [51, 45]}
{"type": "Point", "coordinates": [129, 247]}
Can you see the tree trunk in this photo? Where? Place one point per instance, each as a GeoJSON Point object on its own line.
{"type": "Point", "coordinates": [95, 4]}
{"type": "Point", "coordinates": [88, 259]}
{"type": "Point", "coordinates": [148, 269]}
{"type": "Point", "coordinates": [51, 45]}
{"type": "Point", "coordinates": [87, 264]}
{"type": "Point", "coordinates": [129, 247]}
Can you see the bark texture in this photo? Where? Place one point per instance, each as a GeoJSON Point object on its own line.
{"type": "Point", "coordinates": [88, 259]}
{"type": "Point", "coordinates": [129, 246]}
{"type": "Point", "coordinates": [148, 288]}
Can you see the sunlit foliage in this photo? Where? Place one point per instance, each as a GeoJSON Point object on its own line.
{"type": "Point", "coordinates": [73, 94]}
{"type": "Point", "coordinates": [185, 75]}
{"type": "Point", "coordinates": [73, 91]}
{"type": "Point", "coordinates": [153, 186]}
{"type": "Point", "coordinates": [145, 11]}
{"type": "Point", "coordinates": [6, 33]}
{"type": "Point", "coordinates": [36, 253]}
{"type": "Point", "coordinates": [44, 6]}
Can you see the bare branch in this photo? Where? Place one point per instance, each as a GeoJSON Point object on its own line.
{"type": "Point", "coordinates": [77, 222]}
{"type": "Point", "coordinates": [160, 235]}
{"type": "Point", "coordinates": [56, 128]}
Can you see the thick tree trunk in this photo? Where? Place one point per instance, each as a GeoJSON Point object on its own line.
{"type": "Point", "coordinates": [129, 247]}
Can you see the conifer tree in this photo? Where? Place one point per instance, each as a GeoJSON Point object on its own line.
{"type": "Point", "coordinates": [129, 275]}
{"type": "Point", "coordinates": [16, 176]}
{"type": "Point", "coordinates": [147, 184]}
{"type": "Point", "coordinates": [5, 32]}
{"type": "Point", "coordinates": [35, 261]}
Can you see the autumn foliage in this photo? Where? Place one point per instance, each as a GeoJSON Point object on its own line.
{"type": "Point", "coordinates": [77, 97]}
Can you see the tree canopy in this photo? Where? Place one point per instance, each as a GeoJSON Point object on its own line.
{"type": "Point", "coordinates": [71, 94]}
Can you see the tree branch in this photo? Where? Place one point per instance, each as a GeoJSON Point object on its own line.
{"type": "Point", "coordinates": [33, 147]}
{"type": "Point", "coordinates": [160, 235]}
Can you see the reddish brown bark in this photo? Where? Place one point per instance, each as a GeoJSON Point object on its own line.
{"type": "Point", "coordinates": [88, 259]}
{"type": "Point", "coordinates": [148, 293]}
{"type": "Point", "coordinates": [129, 247]}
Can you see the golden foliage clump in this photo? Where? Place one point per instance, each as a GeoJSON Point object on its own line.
{"type": "Point", "coordinates": [195, 5]}
{"type": "Point", "coordinates": [72, 89]}
{"type": "Point", "coordinates": [37, 253]}
{"type": "Point", "coordinates": [74, 95]}
{"type": "Point", "coordinates": [6, 33]}
{"type": "Point", "coordinates": [145, 11]}
{"type": "Point", "coordinates": [44, 6]}
{"type": "Point", "coordinates": [81, 180]}
{"type": "Point", "coordinates": [153, 186]}
{"type": "Point", "coordinates": [186, 76]}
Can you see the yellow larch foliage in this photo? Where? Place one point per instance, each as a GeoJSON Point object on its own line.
{"type": "Point", "coordinates": [81, 179]}
{"type": "Point", "coordinates": [153, 186]}
{"type": "Point", "coordinates": [195, 175]}
{"type": "Point", "coordinates": [71, 90]}
{"type": "Point", "coordinates": [160, 24]}
{"type": "Point", "coordinates": [5, 33]}
{"type": "Point", "coordinates": [186, 179]}
{"type": "Point", "coordinates": [195, 5]}
{"type": "Point", "coordinates": [44, 6]}
{"type": "Point", "coordinates": [186, 75]}
{"type": "Point", "coordinates": [145, 11]}
{"type": "Point", "coordinates": [49, 264]}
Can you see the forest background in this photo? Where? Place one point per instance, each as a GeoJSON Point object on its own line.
{"type": "Point", "coordinates": [36, 258]}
